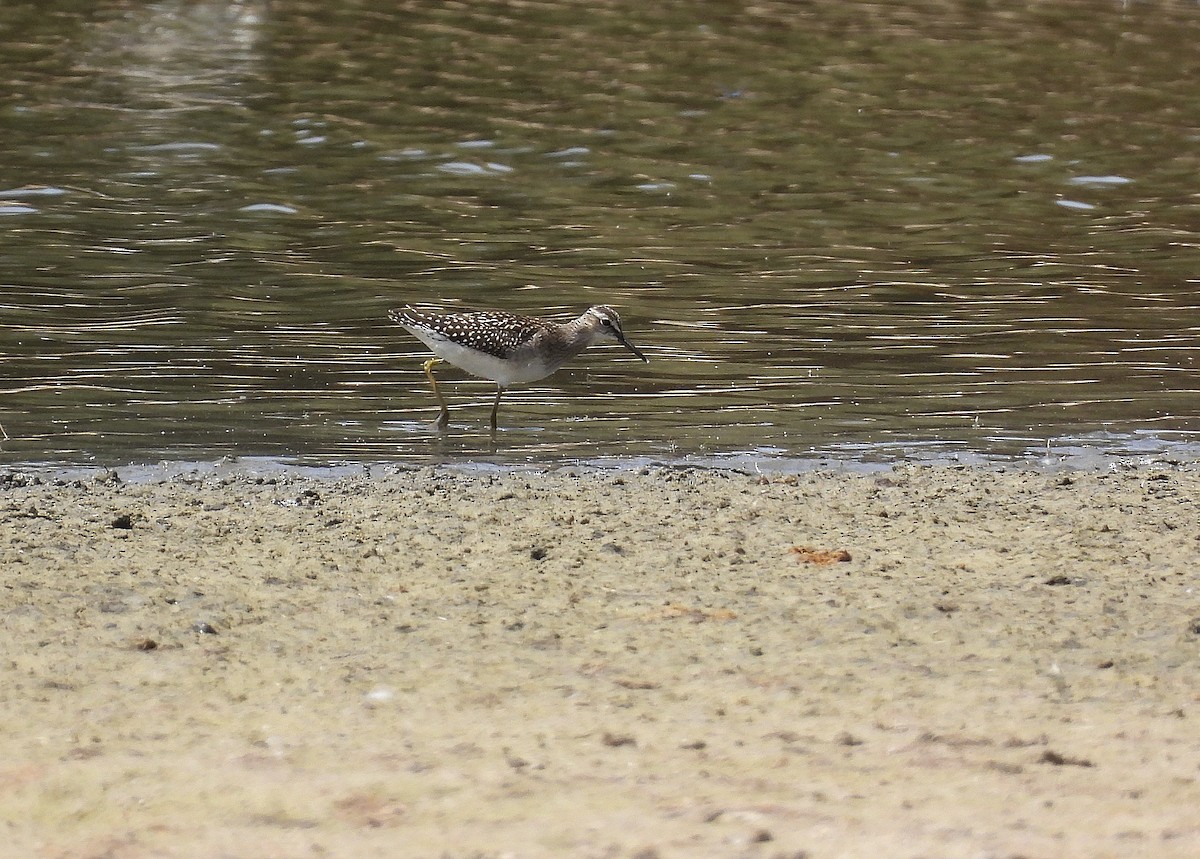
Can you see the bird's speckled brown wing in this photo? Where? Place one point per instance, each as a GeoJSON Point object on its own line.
{"type": "Point", "coordinates": [491, 331]}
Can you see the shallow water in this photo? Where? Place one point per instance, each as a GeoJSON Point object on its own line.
{"type": "Point", "coordinates": [846, 230]}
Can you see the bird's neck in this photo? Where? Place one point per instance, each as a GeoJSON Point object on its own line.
{"type": "Point", "coordinates": [577, 335]}
{"type": "Point", "coordinates": [568, 339]}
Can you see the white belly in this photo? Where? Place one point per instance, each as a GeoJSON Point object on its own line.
{"type": "Point", "coordinates": [483, 365]}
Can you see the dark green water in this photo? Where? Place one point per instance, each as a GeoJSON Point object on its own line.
{"type": "Point", "coordinates": [838, 228]}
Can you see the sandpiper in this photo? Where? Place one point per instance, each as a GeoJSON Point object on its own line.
{"type": "Point", "coordinates": [504, 347]}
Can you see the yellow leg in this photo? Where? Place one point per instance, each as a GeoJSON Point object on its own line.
{"type": "Point", "coordinates": [496, 406]}
{"type": "Point", "coordinates": [444, 418]}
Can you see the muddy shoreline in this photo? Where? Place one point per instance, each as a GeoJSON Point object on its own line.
{"type": "Point", "coordinates": [654, 662]}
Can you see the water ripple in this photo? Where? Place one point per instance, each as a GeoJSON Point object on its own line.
{"type": "Point", "coordinates": [833, 227]}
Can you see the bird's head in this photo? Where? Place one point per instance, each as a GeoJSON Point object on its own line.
{"type": "Point", "coordinates": [607, 323]}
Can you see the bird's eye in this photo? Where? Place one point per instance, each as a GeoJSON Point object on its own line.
{"type": "Point", "coordinates": [606, 321]}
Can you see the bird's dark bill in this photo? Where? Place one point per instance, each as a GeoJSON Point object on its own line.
{"type": "Point", "coordinates": [635, 350]}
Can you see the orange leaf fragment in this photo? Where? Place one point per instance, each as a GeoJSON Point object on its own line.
{"type": "Point", "coordinates": [696, 615]}
{"type": "Point", "coordinates": [809, 555]}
